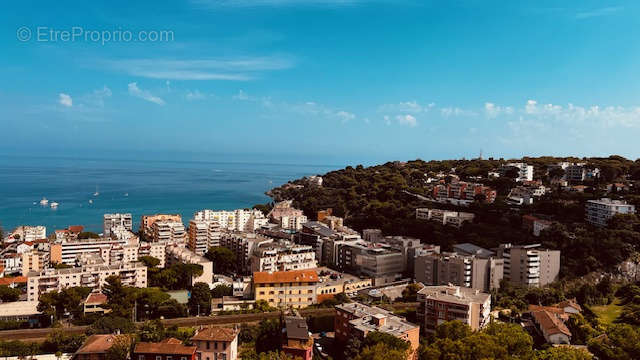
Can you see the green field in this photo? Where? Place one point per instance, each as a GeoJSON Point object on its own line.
{"type": "Point", "coordinates": [608, 313]}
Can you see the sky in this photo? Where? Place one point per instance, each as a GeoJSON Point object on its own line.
{"type": "Point", "coordinates": [320, 80]}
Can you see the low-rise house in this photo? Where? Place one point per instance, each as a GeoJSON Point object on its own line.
{"type": "Point", "coordinates": [94, 302]}
{"type": "Point", "coordinates": [95, 347]}
{"type": "Point", "coordinates": [216, 343]}
{"type": "Point", "coordinates": [297, 342]}
{"type": "Point", "coordinates": [168, 349]}
{"type": "Point", "coordinates": [553, 329]}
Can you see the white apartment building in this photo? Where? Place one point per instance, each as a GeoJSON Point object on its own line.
{"type": "Point", "coordinates": [168, 231]}
{"type": "Point", "coordinates": [598, 212]}
{"type": "Point", "coordinates": [113, 220]}
{"type": "Point", "coordinates": [154, 249]}
{"type": "Point", "coordinates": [203, 234]}
{"type": "Point", "coordinates": [288, 217]}
{"type": "Point", "coordinates": [27, 233]}
{"type": "Point", "coordinates": [444, 217]}
{"type": "Point", "coordinates": [283, 256]}
{"type": "Point", "coordinates": [131, 274]}
{"type": "Point", "coordinates": [70, 250]}
{"type": "Point", "coordinates": [242, 245]}
{"type": "Point", "coordinates": [525, 172]}
{"type": "Point", "coordinates": [529, 265]}
{"type": "Point", "coordinates": [439, 304]}
{"type": "Point", "coordinates": [235, 220]}
{"type": "Point", "coordinates": [180, 254]}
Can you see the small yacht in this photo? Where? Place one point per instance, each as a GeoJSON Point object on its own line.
{"type": "Point", "coordinates": [44, 202]}
{"type": "Point", "coordinates": [54, 205]}
{"type": "Point", "coordinates": [97, 192]}
{"type": "Point", "coordinates": [90, 201]}
{"type": "Point", "coordinates": [126, 194]}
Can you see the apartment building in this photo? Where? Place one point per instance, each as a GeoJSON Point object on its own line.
{"type": "Point", "coordinates": [168, 231]}
{"type": "Point", "coordinates": [287, 216]}
{"type": "Point", "coordinates": [439, 304]}
{"type": "Point", "coordinates": [219, 343]}
{"type": "Point", "coordinates": [599, 212]}
{"type": "Point", "coordinates": [378, 261]}
{"type": "Point", "coordinates": [529, 265]}
{"type": "Point", "coordinates": [357, 320]}
{"type": "Point", "coordinates": [242, 245]}
{"type": "Point", "coordinates": [34, 261]}
{"type": "Point", "coordinates": [94, 276]}
{"type": "Point", "coordinates": [524, 171]}
{"type": "Point", "coordinates": [179, 254]}
{"type": "Point", "coordinates": [147, 221]}
{"type": "Point", "coordinates": [282, 256]}
{"type": "Point", "coordinates": [444, 217]}
{"type": "Point", "coordinates": [332, 283]}
{"type": "Point", "coordinates": [580, 172]}
{"type": "Point", "coordinates": [67, 252]}
{"type": "Point", "coordinates": [234, 220]}
{"type": "Point", "coordinates": [462, 193]}
{"type": "Point", "coordinates": [70, 233]}
{"type": "Point", "coordinates": [203, 234]}
{"type": "Point", "coordinates": [286, 289]}
{"type": "Point", "coordinates": [113, 220]}
{"type": "Point", "coordinates": [27, 233]}
{"type": "Point", "coordinates": [462, 270]}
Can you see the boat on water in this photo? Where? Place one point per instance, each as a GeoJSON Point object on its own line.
{"type": "Point", "coordinates": [126, 194]}
{"type": "Point", "coordinates": [97, 192]}
{"type": "Point", "coordinates": [54, 205]}
{"type": "Point", "coordinates": [44, 201]}
{"type": "Point", "coordinates": [90, 201]}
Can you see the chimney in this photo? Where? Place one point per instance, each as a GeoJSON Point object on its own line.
{"type": "Point", "coordinates": [379, 319]}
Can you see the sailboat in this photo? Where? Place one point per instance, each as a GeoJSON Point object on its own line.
{"type": "Point", "coordinates": [97, 192]}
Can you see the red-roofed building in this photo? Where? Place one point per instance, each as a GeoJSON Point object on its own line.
{"type": "Point", "coordinates": [291, 289]}
{"type": "Point", "coordinates": [216, 343]}
{"type": "Point", "coordinates": [13, 281]}
{"type": "Point", "coordinates": [95, 347]}
{"type": "Point", "coordinates": [93, 303]}
{"type": "Point", "coordinates": [552, 327]}
{"type": "Point", "coordinates": [169, 349]}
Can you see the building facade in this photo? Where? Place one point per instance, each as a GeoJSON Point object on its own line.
{"type": "Point", "coordinates": [286, 289]}
{"type": "Point", "coordinates": [599, 212]}
{"type": "Point", "coordinates": [439, 304]}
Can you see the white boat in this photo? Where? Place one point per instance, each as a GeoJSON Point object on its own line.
{"type": "Point", "coordinates": [97, 192]}
{"type": "Point", "coordinates": [126, 194]}
{"type": "Point", "coordinates": [54, 205]}
{"type": "Point", "coordinates": [44, 201]}
{"type": "Point", "coordinates": [90, 201]}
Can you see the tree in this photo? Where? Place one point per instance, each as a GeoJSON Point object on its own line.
{"type": "Point", "coordinates": [392, 342]}
{"type": "Point", "coordinates": [224, 260]}
{"type": "Point", "coordinates": [563, 353]}
{"type": "Point", "coordinates": [200, 300]}
{"type": "Point", "coordinates": [152, 331]}
{"type": "Point", "coordinates": [109, 324]}
{"type": "Point", "coordinates": [88, 235]}
{"type": "Point", "coordinates": [513, 337]}
{"type": "Point", "coordinates": [120, 349]}
{"type": "Point", "coordinates": [8, 294]}
{"type": "Point", "coordinates": [120, 299]}
{"type": "Point", "coordinates": [381, 351]}
{"type": "Point", "coordinates": [410, 293]}
{"type": "Point", "coordinates": [221, 290]}
{"type": "Point", "coordinates": [622, 341]}
{"type": "Point", "coordinates": [149, 261]}
{"type": "Point", "coordinates": [454, 330]}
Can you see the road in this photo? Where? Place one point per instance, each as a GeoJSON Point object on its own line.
{"type": "Point", "coordinates": [41, 334]}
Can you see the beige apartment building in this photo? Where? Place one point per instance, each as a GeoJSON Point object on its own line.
{"type": "Point", "coordinates": [147, 221]}
{"type": "Point", "coordinates": [439, 304]}
{"type": "Point", "coordinates": [216, 343]}
{"type": "Point", "coordinates": [286, 289]}
{"type": "Point", "coordinates": [203, 234]}
{"type": "Point", "coordinates": [529, 265]}
{"type": "Point", "coordinates": [462, 270]}
{"type": "Point", "coordinates": [94, 276]}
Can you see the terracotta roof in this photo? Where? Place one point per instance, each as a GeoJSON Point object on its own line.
{"type": "Point", "coordinates": [168, 346]}
{"type": "Point", "coordinates": [76, 228]}
{"type": "Point", "coordinates": [13, 280]}
{"type": "Point", "coordinates": [550, 324]}
{"type": "Point", "coordinates": [96, 298]}
{"type": "Point", "coordinates": [285, 276]}
{"type": "Point", "coordinates": [570, 303]}
{"type": "Point", "coordinates": [97, 344]}
{"type": "Point", "coordinates": [216, 334]}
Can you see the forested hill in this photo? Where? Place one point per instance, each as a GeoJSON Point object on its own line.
{"type": "Point", "coordinates": [378, 197]}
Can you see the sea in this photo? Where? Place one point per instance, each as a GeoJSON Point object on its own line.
{"type": "Point", "coordinates": [87, 188]}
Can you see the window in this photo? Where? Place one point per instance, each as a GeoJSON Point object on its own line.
{"type": "Point", "coordinates": [208, 345]}
{"type": "Point", "coordinates": [169, 357]}
{"type": "Point", "coordinates": [140, 357]}
{"type": "Point", "coordinates": [158, 357]}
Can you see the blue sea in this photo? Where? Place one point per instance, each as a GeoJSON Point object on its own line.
{"type": "Point", "coordinates": [138, 187]}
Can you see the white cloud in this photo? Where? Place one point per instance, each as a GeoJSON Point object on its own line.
{"type": "Point", "coordinates": [408, 120]}
{"type": "Point", "coordinates": [195, 95]}
{"type": "Point", "coordinates": [598, 12]}
{"type": "Point", "coordinates": [492, 110]}
{"type": "Point", "coordinates": [406, 107]}
{"type": "Point", "coordinates": [232, 69]}
{"type": "Point", "coordinates": [65, 100]}
{"type": "Point", "coordinates": [241, 95]}
{"type": "Point", "coordinates": [345, 116]}
{"type": "Point", "coordinates": [135, 91]}
{"type": "Point", "coordinates": [96, 97]}
{"type": "Point", "coordinates": [455, 111]}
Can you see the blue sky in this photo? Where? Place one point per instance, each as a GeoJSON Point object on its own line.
{"type": "Point", "coordinates": [356, 80]}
